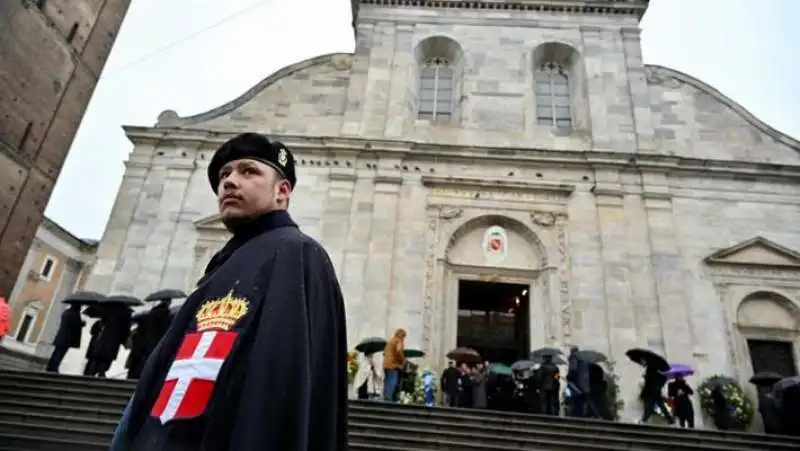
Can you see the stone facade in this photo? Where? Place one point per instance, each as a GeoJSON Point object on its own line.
{"type": "Point", "coordinates": [648, 220]}
{"type": "Point", "coordinates": [56, 265]}
{"type": "Point", "coordinates": [51, 53]}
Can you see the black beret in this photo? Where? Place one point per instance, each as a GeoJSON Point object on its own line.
{"type": "Point", "coordinates": [253, 146]}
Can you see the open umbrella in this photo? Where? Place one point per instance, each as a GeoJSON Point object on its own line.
{"type": "Point", "coordinates": [122, 299]}
{"type": "Point", "coordinates": [499, 368]}
{"type": "Point", "coordinates": [678, 370]}
{"type": "Point", "coordinates": [413, 353]}
{"type": "Point", "coordinates": [557, 360]}
{"type": "Point", "coordinates": [648, 358]}
{"type": "Point", "coordinates": [84, 298]}
{"type": "Point", "coordinates": [371, 345]}
{"type": "Point", "coordinates": [164, 295]}
{"type": "Point", "coordinates": [546, 351]}
{"type": "Point", "coordinates": [785, 383]}
{"type": "Point", "coordinates": [523, 365]}
{"type": "Point", "coordinates": [765, 378]}
{"type": "Point", "coordinates": [467, 355]}
{"type": "Point", "coordinates": [590, 356]}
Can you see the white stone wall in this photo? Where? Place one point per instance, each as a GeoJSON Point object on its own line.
{"type": "Point", "coordinates": [663, 172]}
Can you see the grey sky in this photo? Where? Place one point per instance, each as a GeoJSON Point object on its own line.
{"type": "Point", "coordinates": [181, 55]}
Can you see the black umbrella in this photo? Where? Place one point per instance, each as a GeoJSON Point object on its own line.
{"type": "Point", "coordinates": [122, 299]}
{"type": "Point", "coordinates": [523, 365]}
{"type": "Point", "coordinates": [164, 295]}
{"type": "Point", "coordinates": [539, 359]}
{"type": "Point", "coordinates": [84, 298]}
{"type": "Point", "coordinates": [467, 355]}
{"type": "Point", "coordinates": [93, 311]}
{"type": "Point", "coordinates": [590, 356]}
{"type": "Point", "coordinates": [648, 358]}
{"type": "Point", "coordinates": [546, 351]}
{"type": "Point", "coordinates": [785, 383]}
{"type": "Point", "coordinates": [765, 378]}
{"type": "Point", "coordinates": [413, 353]}
{"type": "Point", "coordinates": [371, 345]}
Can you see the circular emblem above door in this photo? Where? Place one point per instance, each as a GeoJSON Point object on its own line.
{"type": "Point", "coordinates": [495, 245]}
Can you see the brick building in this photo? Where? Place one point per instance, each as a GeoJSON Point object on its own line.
{"type": "Point", "coordinates": [51, 56]}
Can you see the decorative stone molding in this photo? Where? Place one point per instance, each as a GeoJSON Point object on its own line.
{"type": "Point", "coordinates": [563, 278]}
{"type": "Point", "coordinates": [543, 218]}
{"type": "Point", "coordinates": [430, 279]}
{"type": "Point", "coordinates": [609, 7]}
{"type": "Point", "coordinates": [448, 213]}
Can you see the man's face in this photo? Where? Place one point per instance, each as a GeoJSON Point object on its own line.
{"type": "Point", "coordinates": [249, 188]}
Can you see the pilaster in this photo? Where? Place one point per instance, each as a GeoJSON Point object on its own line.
{"type": "Point", "coordinates": [397, 115]}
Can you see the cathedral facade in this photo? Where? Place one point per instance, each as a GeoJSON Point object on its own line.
{"type": "Point", "coordinates": [522, 142]}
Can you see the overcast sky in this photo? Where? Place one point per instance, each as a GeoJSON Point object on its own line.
{"type": "Point", "coordinates": [193, 55]}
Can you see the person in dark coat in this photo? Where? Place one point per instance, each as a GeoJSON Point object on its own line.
{"type": "Point", "coordinates": [115, 333]}
{"type": "Point", "coordinates": [449, 385]}
{"type": "Point", "coordinates": [768, 410]}
{"type": "Point", "coordinates": [479, 380]}
{"type": "Point", "coordinates": [92, 365]}
{"type": "Point", "coordinates": [68, 336]}
{"type": "Point", "coordinates": [581, 404]}
{"type": "Point", "coordinates": [464, 386]}
{"type": "Point", "coordinates": [722, 409]}
{"type": "Point", "coordinates": [256, 358]}
{"type": "Point", "coordinates": [652, 394]}
{"type": "Point", "coordinates": [548, 386]}
{"type": "Point", "coordinates": [598, 393]}
{"type": "Point", "coordinates": [680, 391]}
{"type": "Point", "coordinates": [151, 329]}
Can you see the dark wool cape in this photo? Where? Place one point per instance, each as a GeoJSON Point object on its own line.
{"type": "Point", "coordinates": [283, 386]}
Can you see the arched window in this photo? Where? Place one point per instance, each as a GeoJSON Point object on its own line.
{"type": "Point", "coordinates": [437, 78]}
{"type": "Point", "coordinates": [552, 95]}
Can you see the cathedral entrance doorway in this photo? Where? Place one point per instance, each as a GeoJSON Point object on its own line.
{"type": "Point", "coordinates": [493, 319]}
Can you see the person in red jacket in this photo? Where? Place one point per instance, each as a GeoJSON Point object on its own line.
{"type": "Point", "coordinates": [5, 318]}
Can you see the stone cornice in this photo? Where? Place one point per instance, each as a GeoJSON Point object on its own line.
{"type": "Point", "coordinates": [609, 7]}
{"type": "Point", "coordinates": [475, 182]}
{"type": "Point", "coordinates": [306, 146]}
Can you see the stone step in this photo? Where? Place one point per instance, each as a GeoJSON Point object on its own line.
{"type": "Point", "coordinates": [90, 428]}
{"type": "Point", "coordinates": [80, 403]}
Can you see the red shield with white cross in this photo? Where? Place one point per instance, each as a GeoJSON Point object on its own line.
{"type": "Point", "coordinates": [192, 375]}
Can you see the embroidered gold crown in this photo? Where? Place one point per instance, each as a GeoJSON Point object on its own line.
{"type": "Point", "coordinates": [221, 313]}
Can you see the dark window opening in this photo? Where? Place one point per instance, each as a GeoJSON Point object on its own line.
{"type": "Point", "coordinates": [25, 135]}
{"type": "Point", "coordinates": [72, 33]}
{"type": "Point", "coordinates": [772, 356]}
{"type": "Point", "coordinates": [47, 268]}
{"type": "Point", "coordinates": [493, 319]}
{"type": "Point", "coordinates": [24, 327]}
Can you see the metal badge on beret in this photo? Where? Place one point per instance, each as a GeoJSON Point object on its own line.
{"type": "Point", "coordinates": [282, 158]}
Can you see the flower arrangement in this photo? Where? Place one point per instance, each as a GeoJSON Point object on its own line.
{"type": "Point", "coordinates": [417, 394]}
{"type": "Point", "coordinates": [741, 407]}
{"type": "Point", "coordinates": [352, 366]}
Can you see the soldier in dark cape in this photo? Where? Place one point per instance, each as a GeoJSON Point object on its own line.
{"type": "Point", "coordinates": [115, 332]}
{"type": "Point", "coordinates": [152, 327]}
{"type": "Point", "coordinates": [255, 359]}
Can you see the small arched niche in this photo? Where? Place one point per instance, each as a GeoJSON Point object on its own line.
{"type": "Point", "coordinates": [559, 84]}
{"type": "Point", "coordinates": [470, 244]}
{"type": "Point", "coordinates": [437, 81]}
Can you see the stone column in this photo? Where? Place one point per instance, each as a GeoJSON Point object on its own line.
{"type": "Point", "coordinates": [638, 90]}
{"type": "Point", "coordinates": [402, 69]}
{"type": "Point", "coordinates": [353, 277]}
{"type": "Point", "coordinates": [378, 283]}
{"type": "Point", "coordinates": [667, 263]}
{"type": "Point", "coordinates": [336, 222]}
{"type": "Point", "coordinates": [177, 229]}
{"type": "Point", "coordinates": [359, 75]}
{"type": "Point", "coordinates": [379, 79]}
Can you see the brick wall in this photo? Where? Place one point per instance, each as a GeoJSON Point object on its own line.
{"type": "Point", "coordinates": [52, 53]}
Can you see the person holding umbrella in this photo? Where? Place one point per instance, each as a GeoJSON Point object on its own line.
{"type": "Point", "coordinates": [70, 328]}
{"type": "Point", "coordinates": [152, 327]}
{"type": "Point", "coordinates": [393, 362]}
{"type": "Point", "coordinates": [116, 318]}
{"type": "Point", "coordinates": [680, 392]}
{"type": "Point", "coordinates": [654, 381]}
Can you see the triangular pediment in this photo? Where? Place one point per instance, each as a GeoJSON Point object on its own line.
{"type": "Point", "coordinates": [756, 251]}
{"type": "Point", "coordinates": [211, 223]}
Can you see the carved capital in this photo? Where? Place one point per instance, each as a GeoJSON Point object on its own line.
{"type": "Point", "coordinates": [543, 218]}
{"type": "Point", "coordinates": [448, 213]}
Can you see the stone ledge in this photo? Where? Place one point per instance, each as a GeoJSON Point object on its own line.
{"type": "Point", "coordinates": [473, 182]}
{"type": "Point", "coordinates": [610, 7]}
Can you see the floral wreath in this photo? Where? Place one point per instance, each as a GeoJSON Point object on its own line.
{"type": "Point", "coordinates": [352, 366]}
{"type": "Point", "coordinates": [742, 408]}
{"type": "Point", "coordinates": [418, 396]}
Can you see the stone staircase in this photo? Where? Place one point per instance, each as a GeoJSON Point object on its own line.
{"type": "Point", "coordinates": [45, 412]}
